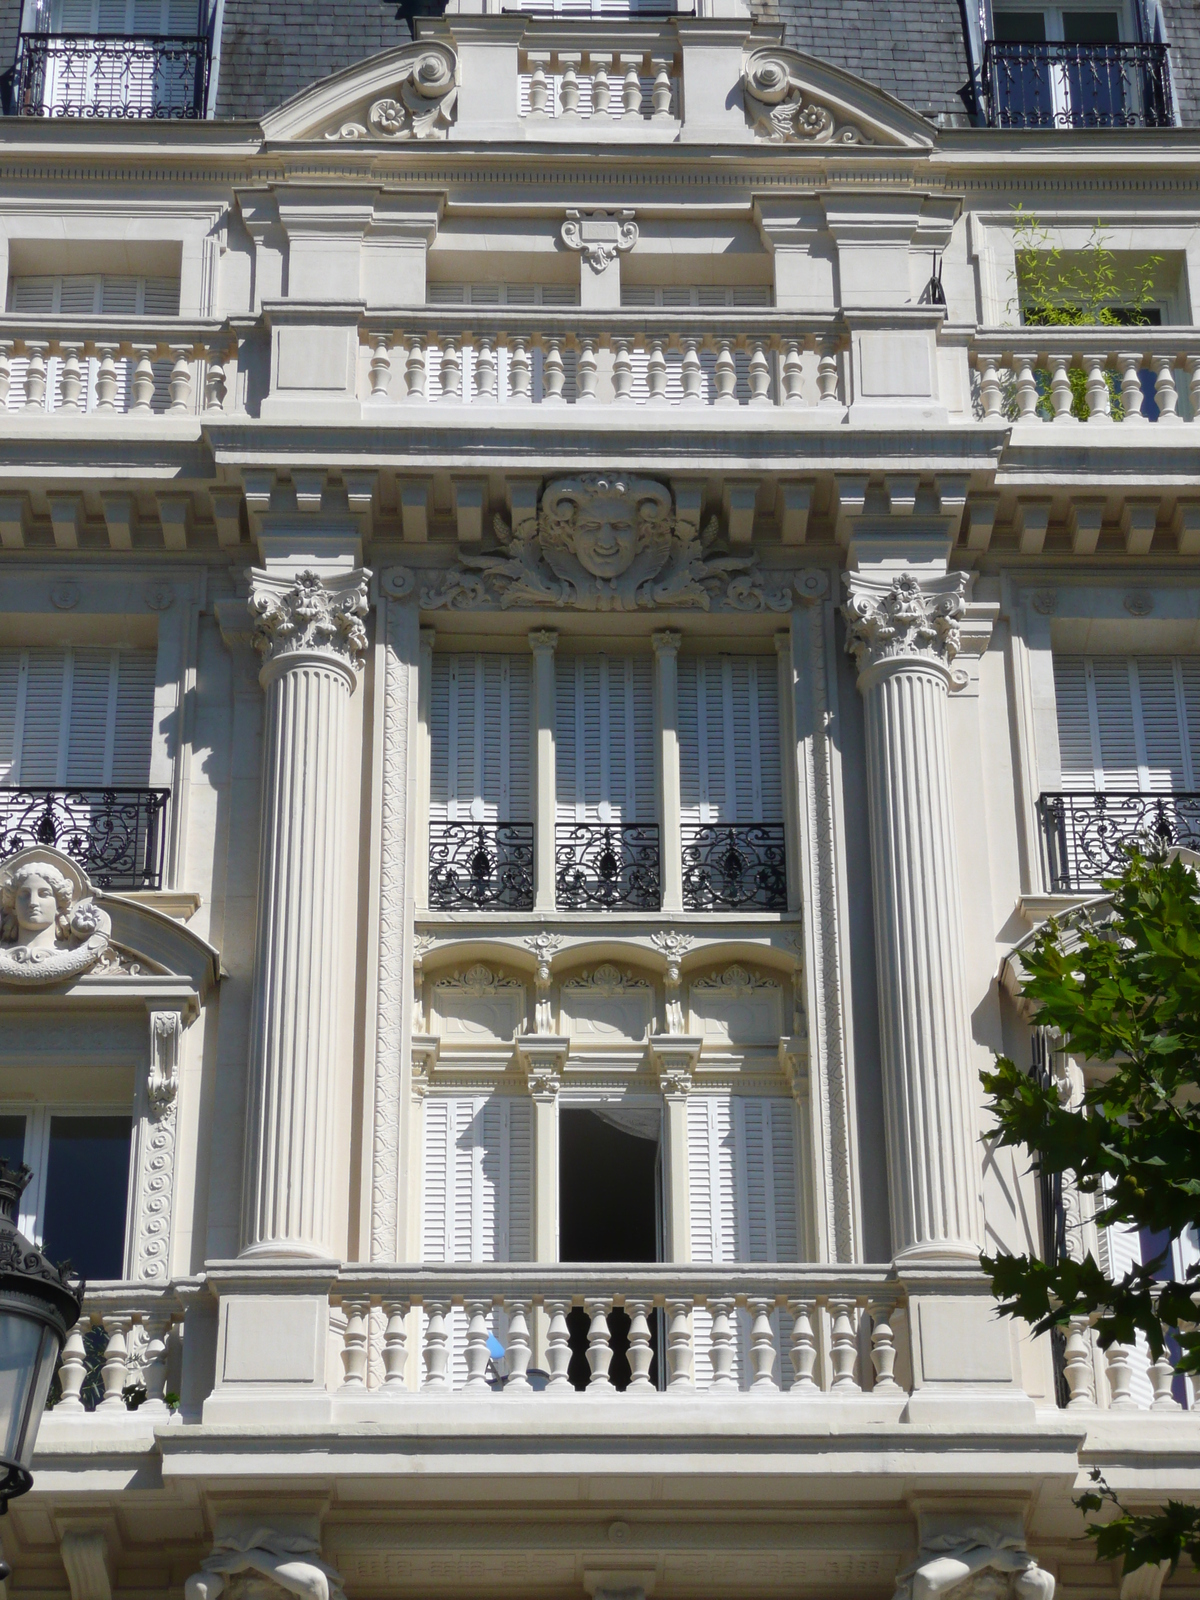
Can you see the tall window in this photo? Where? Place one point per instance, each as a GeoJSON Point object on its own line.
{"type": "Point", "coordinates": [1128, 722]}
{"type": "Point", "coordinates": [76, 717]}
{"type": "Point", "coordinates": [480, 739]}
{"type": "Point", "coordinates": [75, 1206]}
{"type": "Point", "coordinates": [604, 739]}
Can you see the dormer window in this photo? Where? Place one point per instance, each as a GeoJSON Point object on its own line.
{"type": "Point", "coordinates": [1073, 66]}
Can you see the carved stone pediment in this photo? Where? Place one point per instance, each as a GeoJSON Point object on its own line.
{"type": "Point", "coordinates": [397, 96]}
{"type": "Point", "coordinates": [792, 98]}
{"type": "Point", "coordinates": [609, 542]}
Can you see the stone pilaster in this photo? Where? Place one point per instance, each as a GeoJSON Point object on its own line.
{"type": "Point", "coordinates": [309, 632]}
{"type": "Point", "coordinates": [903, 631]}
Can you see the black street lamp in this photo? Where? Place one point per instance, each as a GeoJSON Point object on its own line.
{"type": "Point", "coordinates": [39, 1305]}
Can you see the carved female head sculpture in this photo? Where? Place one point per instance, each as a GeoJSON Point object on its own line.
{"type": "Point", "coordinates": [35, 900]}
{"type": "Point", "coordinates": [50, 926]}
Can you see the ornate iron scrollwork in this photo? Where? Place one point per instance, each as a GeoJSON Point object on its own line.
{"type": "Point", "coordinates": [1085, 834]}
{"type": "Point", "coordinates": [731, 866]}
{"type": "Point", "coordinates": [1055, 85]}
{"type": "Point", "coordinates": [118, 836]}
{"type": "Point", "coordinates": [79, 75]}
{"type": "Point", "coordinates": [607, 866]}
{"type": "Point", "coordinates": [481, 866]}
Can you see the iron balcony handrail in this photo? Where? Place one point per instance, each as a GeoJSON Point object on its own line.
{"type": "Point", "coordinates": [1084, 833]}
{"type": "Point", "coordinates": [481, 866]}
{"type": "Point", "coordinates": [131, 855]}
{"type": "Point", "coordinates": [187, 91]}
{"type": "Point", "coordinates": [1140, 97]}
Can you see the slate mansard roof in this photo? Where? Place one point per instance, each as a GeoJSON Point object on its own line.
{"type": "Point", "coordinates": [914, 49]}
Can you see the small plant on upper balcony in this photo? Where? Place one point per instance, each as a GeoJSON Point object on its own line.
{"type": "Point", "coordinates": [1089, 288]}
{"type": "Point", "coordinates": [1119, 989]}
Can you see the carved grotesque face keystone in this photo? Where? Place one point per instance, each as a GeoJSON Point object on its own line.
{"type": "Point", "coordinates": [606, 537]}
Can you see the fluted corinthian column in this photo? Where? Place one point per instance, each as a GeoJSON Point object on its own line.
{"type": "Point", "coordinates": [309, 633]}
{"type": "Point", "coordinates": [903, 630]}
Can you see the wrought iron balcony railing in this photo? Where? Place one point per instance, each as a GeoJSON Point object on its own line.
{"type": "Point", "coordinates": [1084, 835]}
{"type": "Point", "coordinates": [1077, 85]}
{"type": "Point", "coordinates": [607, 866]}
{"type": "Point", "coordinates": [118, 836]}
{"type": "Point", "coordinates": [734, 866]}
{"type": "Point", "coordinates": [108, 75]}
{"type": "Point", "coordinates": [481, 866]}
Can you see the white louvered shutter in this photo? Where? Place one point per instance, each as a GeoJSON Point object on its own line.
{"type": "Point", "coordinates": [729, 740]}
{"type": "Point", "coordinates": [480, 738]}
{"type": "Point", "coordinates": [1128, 723]}
{"type": "Point", "coordinates": [77, 716]}
{"type": "Point", "coordinates": [766, 1197]}
{"type": "Point", "coordinates": [712, 1206]}
{"type": "Point", "coordinates": [604, 739]}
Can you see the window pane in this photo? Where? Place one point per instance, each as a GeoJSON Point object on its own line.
{"type": "Point", "coordinates": [12, 1140]}
{"type": "Point", "coordinates": [1091, 27]}
{"type": "Point", "coordinates": [87, 1178]}
{"type": "Point", "coordinates": [1019, 27]}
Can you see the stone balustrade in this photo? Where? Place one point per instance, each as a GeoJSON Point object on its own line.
{"type": "Point", "coordinates": [505, 357]}
{"type": "Point", "coordinates": [67, 367]}
{"type": "Point", "coordinates": [117, 1352]}
{"type": "Point", "coordinates": [760, 1330]}
{"type": "Point", "coordinates": [629, 86]}
{"type": "Point", "coordinates": [1130, 375]}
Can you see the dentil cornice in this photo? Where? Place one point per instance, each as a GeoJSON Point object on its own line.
{"type": "Point", "coordinates": [311, 616]}
{"type": "Point", "coordinates": [905, 617]}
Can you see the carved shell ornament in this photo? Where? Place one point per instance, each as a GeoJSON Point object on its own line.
{"type": "Point", "coordinates": [778, 108]}
{"type": "Point", "coordinates": [609, 542]}
{"type": "Point", "coordinates": [50, 927]}
{"type": "Point", "coordinates": [421, 106]}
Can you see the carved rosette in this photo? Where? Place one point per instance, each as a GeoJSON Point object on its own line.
{"type": "Point", "coordinates": [780, 108]}
{"type": "Point", "coordinates": [310, 616]}
{"type": "Point", "coordinates": [904, 620]}
{"type": "Point", "coordinates": [421, 106]}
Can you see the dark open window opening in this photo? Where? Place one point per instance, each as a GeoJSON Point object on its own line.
{"type": "Point", "coordinates": [610, 1209]}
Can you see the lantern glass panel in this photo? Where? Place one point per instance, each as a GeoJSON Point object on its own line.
{"type": "Point", "coordinates": [28, 1351]}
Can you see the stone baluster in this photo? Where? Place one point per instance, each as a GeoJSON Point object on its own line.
{"type": "Point", "coordinates": [1077, 1363]}
{"type": "Point", "coordinates": [1027, 389]}
{"type": "Point", "coordinates": [558, 1348]}
{"type": "Point", "coordinates": [520, 389]}
{"type": "Point", "coordinates": [35, 375]}
{"type": "Point", "coordinates": [485, 372]}
{"type": "Point", "coordinates": [902, 629]}
{"type": "Point", "coordinates": [760, 375]}
{"type": "Point", "coordinates": [395, 1346]}
{"type": "Point", "coordinates": [722, 1344]}
{"type": "Point", "coordinates": [71, 378]}
{"type": "Point", "coordinates": [660, 95]}
{"type": "Point", "coordinates": [477, 1354]}
{"type": "Point", "coordinates": [519, 1350]}
{"type": "Point", "coordinates": [415, 370]}
{"type": "Point", "coordinates": [115, 1371]}
{"type": "Point", "coordinates": [106, 377]}
{"type": "Point", "coordinates": [827, 373]}
{"type": "Point", "coordinates": [554, 374]}
{"type": "Point", "coordinates": [622, 373]}
{"type": "Point", "coordinates": [179, 386]}
{"type": "Point", "coordinates": [793, 374]}
{"type": "Point", "coordinates": [1132, 398]}
{"type": "Point", "coordinates": [1162, 1377]}
{"type": "Point", "coordinates": [631, 88]}
{"type": "Point", "coordinates": [381, 368]}
{"type": "Point", "coordinates": [1193, 366]}
{"type": "Point", "coordinates": [436, 1352]}
{"type": "Point", "coordinates": [656, 373]}
{"type": "Point", "coordinates": [1061, 393]}
{"type": "Point", "coordinates": [308, 632]}
{"type": "Point", "coordinates": [725, 374]}
{"type": "Point", "coordinates": [1098, 399]}
{"type": "Point", "coordinates": [73, 1366]}
{"type": "Point", "coordinates": [451, 371]}
{"type": "Point", "coordinates": [762, 1345]}
{"type": "Point", "coordinates": [599, 1350]}
{"type": "Point", "coordinates": [142, 384]}
{"type": "Point", "coordinates": [214, 380]}
{"type": "Point", "coordinates": [1120, 1376]}
{"type": "Point", "coordinates": [843, 1347]}
{"type": "Point", "coordinates": [883, 1348]}
{"type": "Point", "coordinates": [601, 88]}
{"type": "Point", "coordinates": [640, 1353]}
{"type": "Point", "coordinates": [804, 1349]}
{"type": "Point", "coordinates": [539, 84]}
{"type": "Point", "coordinates": [693, 374]}
{"type": "Point", "coordinates": [6, 351]}
{"type": "Point", "coordinates": [568, 89]}
{"type": "Point", "coordinates": [354, 1344]}
{"type": "Point", "coordinates": [157, 1325]}
{"type": "Point", "coordinates": [681, 1366]}
{"type": "Point", "coordinates": [586, 372]}
{"type": "Point", "coordinates": [1166, 397]}
{"type": "Point", "coordinates": [991, 391]}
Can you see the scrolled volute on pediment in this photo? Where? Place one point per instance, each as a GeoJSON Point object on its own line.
{"type": "Point", "coordinates": [51, 928]}
{"type": "Point", "coordinates": [609, 541]}
{"type": "Point", "coordinates": [782, 107]}
{"type": "Point", "coordinates": [421, 104]}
